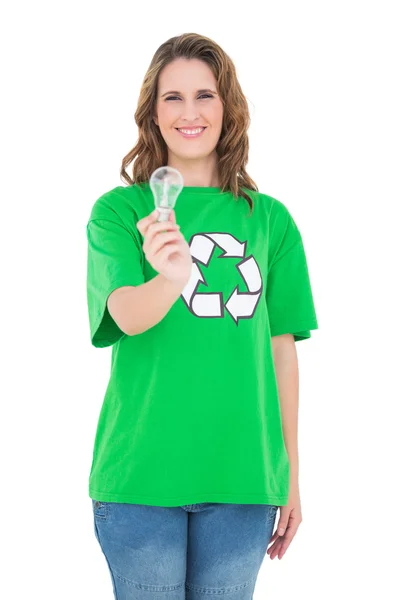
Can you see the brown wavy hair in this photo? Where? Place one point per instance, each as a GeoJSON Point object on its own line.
{"type": "Point", "coordinates": [233, 145]}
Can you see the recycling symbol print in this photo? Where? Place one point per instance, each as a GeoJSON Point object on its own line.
{"type": "Point", "coordinates": [240, 305]}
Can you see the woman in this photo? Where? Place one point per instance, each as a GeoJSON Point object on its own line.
{"type": "Point", "coordinates": [195, 450]}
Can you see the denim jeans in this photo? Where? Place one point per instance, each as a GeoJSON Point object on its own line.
{"type": "Point", "coordinates": [183, 552]}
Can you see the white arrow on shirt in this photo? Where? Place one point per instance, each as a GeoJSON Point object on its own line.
{"type": "Point", "coordinates": [201, 247]}
{"type": "Point", "coordinates": [239, 305]}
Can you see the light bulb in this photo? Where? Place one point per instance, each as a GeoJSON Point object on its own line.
{"type": "Point", "coordinates": [166, 184]}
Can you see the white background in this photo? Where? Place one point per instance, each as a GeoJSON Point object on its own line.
{"type": "Point", "coordinates": [322, 81]}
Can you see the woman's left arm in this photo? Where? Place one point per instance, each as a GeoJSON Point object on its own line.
{"type": "Point", "coordinates": [287, 375]}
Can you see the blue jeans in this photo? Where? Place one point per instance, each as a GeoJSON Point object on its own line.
{"type": "Point", "coordinates": [183, 552]}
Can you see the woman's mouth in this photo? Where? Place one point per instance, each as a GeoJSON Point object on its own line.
{"type": "Point", "coordinates": [190, 132]}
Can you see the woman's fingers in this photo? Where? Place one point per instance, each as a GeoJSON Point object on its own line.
{"type": "Point", "coordinates": [274, 549]}
{"type": "Point", "coordinates": [143, 224]}
{"type": "Point", "coordinates": [160, 241]}
{"type": "Point", "coordinates": [153, 231]}
{"type": "Point", "coordinates": [281, 543]}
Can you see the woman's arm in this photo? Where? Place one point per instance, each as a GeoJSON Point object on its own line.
{"type": "Point", "coordinates": [137, 308]}
{"type": "Point", "coordinates": [287, 375]}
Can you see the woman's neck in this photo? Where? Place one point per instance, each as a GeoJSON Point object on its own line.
{"type": "Point", "coordinates": [202, 174]}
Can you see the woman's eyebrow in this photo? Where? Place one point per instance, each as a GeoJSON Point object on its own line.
{"type": "Point", "coordinates": [198, 92]}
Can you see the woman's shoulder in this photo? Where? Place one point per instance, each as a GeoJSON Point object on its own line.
{"type": "Point", "coordinates": [275, 208]}
{"type": "Point", "coordinates": [116, 204]}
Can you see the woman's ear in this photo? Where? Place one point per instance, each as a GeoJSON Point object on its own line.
{"type": "Point", "coordinates": [155, 120]}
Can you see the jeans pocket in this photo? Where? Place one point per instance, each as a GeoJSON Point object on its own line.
{"type": "Point", "coordinates": [100, 509]}
{"type": "Point", "coordinates": [273, 509]}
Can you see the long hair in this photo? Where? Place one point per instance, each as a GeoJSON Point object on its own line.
{"type": "Point", "coordinates": [232, 149]}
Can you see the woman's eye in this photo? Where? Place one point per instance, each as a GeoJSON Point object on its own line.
{"type": "Point", "coordinates": [202, 96]}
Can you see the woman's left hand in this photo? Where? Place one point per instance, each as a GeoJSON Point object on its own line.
{"type": "Point", "coordinates": [288, 523]}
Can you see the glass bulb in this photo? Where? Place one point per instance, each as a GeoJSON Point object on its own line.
{"type": "Point", "coordinates": [166, 184]}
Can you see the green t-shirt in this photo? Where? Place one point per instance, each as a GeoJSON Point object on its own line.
{"type": "Point", "coordinates": [191, 412]}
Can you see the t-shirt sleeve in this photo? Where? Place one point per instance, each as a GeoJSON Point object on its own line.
{"type": "Point", "coordinates": [114, 259]}
{"type": "Point", "coordinates": [289, 295]}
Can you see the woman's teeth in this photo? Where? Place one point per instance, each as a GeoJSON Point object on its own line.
{"type": "Point", "coordinates": [196, 131]}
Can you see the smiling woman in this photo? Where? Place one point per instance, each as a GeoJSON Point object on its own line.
{"type": "Point", "coordinates": [191, 83]}
{"type": "Point", "coordinates": [195, 448]}
{"type": "Point", "coordinates": [190, 114]}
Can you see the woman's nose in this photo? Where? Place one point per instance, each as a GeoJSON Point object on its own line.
{"type": "Point", "coordinates": [189, 111]}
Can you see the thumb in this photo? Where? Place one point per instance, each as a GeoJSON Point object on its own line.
{"type": "Point", "coordinates": [172, 216]}
{"type": "Point", "coordinates": [281, 527]}
{"type": "Point", "coordinates": [144, 223]}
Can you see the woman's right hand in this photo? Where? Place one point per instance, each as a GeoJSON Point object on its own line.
{"type": "Point", "coordinates": [165, 247]}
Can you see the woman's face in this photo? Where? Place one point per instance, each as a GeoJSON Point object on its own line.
{"type": "Point", "coordinates": [187, 98]}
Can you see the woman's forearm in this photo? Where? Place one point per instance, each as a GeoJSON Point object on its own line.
{"type": "Point", "coordinates": [138, 308]}
{"type": "Point", "coordinates": [287, 375]}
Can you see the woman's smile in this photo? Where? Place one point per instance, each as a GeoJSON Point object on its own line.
{"type": "Point", "coordinates": [190, 132]}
